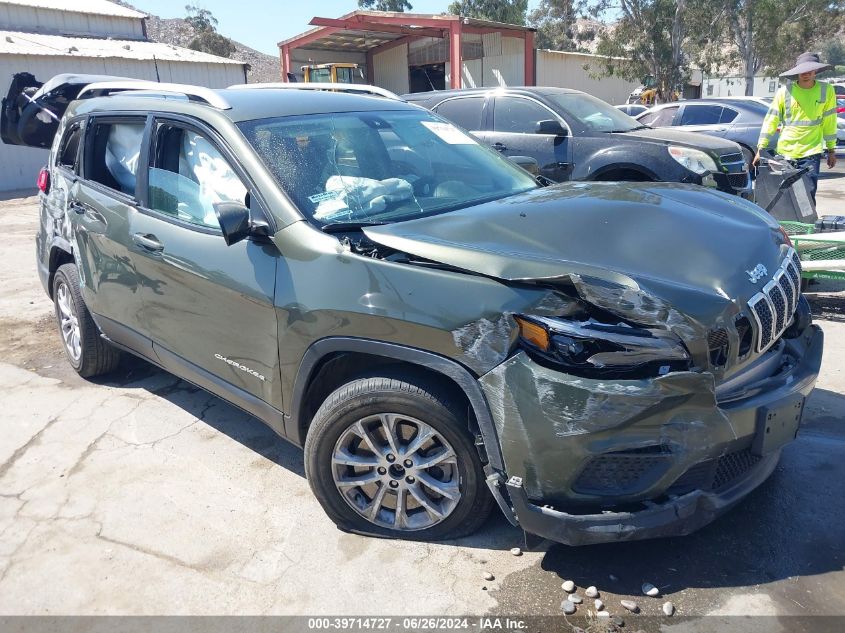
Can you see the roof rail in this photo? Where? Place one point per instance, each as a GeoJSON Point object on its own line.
{"type": "Point", "coordinates": [310, 85]}
{"type": "Point", "coordinates": [193, 93]}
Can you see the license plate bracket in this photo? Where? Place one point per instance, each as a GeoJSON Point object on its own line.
{"type": "Point", "coordinates": [777, 425]}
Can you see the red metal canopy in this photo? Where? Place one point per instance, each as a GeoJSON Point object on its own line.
{"type": "Point", "coordinates": [372, 32]}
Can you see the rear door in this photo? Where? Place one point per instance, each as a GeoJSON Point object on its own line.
{"type": "Point", "coordinates": [702, 117]}
{"type": "Point", "coordinates": [514, 133]}
{"type": "Point", "coordinates": [102, 209]}
{"type": "Point", "coordinates": [208, 307]}
{"type": "Point", "coordinates": [466, 112]}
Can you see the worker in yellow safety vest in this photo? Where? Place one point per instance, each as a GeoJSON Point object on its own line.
{"type": "Point", "coordinates": [805, 112]}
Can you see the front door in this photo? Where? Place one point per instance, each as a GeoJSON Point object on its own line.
{"type": "Point", "coordinates": [514, 133]}
{"type": "Point", "coordinates": [208, 307]}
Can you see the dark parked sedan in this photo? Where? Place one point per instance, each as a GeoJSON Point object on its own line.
{"type": "Point", "coordinates": [739, 120]}
{"type": "Point", "coordinates": [575, 136]}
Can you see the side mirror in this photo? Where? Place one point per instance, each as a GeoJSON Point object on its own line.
{"type": "Point", "coordinates": [550, 126]}
{"type": "Point", "coordinates": [527, 163]}
{"type": "Point", "coordinates": [234, 221]}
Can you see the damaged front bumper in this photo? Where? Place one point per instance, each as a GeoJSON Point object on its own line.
{"type": "Point", "coordinates": [688, 452]}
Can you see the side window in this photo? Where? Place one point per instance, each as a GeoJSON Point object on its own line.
{"type": "Point", "coordinates": [513, 114]}
{"type": "Point", "coordinates": [701, 115]}
{"type": "Point", "coordinates": [661, 118]}
{"type": "Point", "coordinates": [728, 115]}
{"type": "Point", "coordinates": [188, 175]}
{"type": "Point", "coordinates": [464, 112]}
{"type": "Point", "coordinates": [69, 147]}
{"type": "Point", "coordinates": [111, 154]}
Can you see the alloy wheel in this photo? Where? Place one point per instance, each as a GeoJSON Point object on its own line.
{"type": "Point", "coordinates": [69, 322]}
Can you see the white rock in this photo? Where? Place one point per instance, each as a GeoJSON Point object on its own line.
{"type": "Point", "coordinates": [603, 614]}
{"type": "Point", "coordinates": [567, 607]}
{"type": "Point", "coordinates": [650, 590]}
{"type": "Point", "coordinates": [516, 551]}
{"type": "Point", "coordinates": [630, 605]}
{"type": "Point", "coordinates": [568, 586]}
{"type": "Point", "coordinates": [591, 592]}
{"type": "Point", "coordinates": [599, 604]}
{"type": "Point", "coordinates": [489, 576]}
{"type": "Point", "coordinates": [574, 597]}
{"type": "Point", "coordinates": [668, 608]}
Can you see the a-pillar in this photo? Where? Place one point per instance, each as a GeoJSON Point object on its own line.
{"type": "Point", "coordinates": [455, 53]}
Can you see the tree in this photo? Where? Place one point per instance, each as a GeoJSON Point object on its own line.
{"type": "Point", "coordinates": [385, 5]}
{"type": "Point", "coordinates": [555, 21]}
{"type": "Point", "coordinates": [206, 38]}
{"type": "Point", "coordinates": [769, 34]}
{"type": "Point", "coordinates": [651, 34]}
{"type": "Point", "coordinates": [506, 11]}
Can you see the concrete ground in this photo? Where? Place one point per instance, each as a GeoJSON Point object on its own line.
{"type": "Point", "coordinates": [141, 494]}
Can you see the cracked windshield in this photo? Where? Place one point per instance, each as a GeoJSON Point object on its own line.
{"type": "Point", "coordinates": [378, 167]}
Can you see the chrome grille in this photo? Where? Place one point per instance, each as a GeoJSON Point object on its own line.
{"type": "Point", "coordinates": [731, 158]}
{"type": "Point", "coordinates": [774, 306]}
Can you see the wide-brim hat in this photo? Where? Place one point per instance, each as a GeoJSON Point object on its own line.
{"type": "Point", "coordinates": [806, 62]}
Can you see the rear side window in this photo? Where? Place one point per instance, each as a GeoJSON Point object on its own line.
{"type": "Point", "coordinates": [513, 114]}
{"type": "Point", "coordinates": [701, 115]}
{"type": "Point", "coordinates": [111, 154]}
{"type": "Point", "coordinates": [661, 118]}
{"type": "Point", "coordinates": [728, 115]}
{"type": "Point", "coordinates": [189, 175]}
{"type": "Point", "coordinates": [69, 147]}
{"type": "Point", "coordinates": [464, 112]}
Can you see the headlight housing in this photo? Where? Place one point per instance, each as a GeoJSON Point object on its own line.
{"type": "Point", "coordinates": [693, 159]}
{"type": "Point", "coordinates": [591, 349]}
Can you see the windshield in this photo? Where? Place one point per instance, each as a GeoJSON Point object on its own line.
{"type": "Point", "coordinates": [364, 167]}
{"type": "Point", "coordinates": [594, 114]}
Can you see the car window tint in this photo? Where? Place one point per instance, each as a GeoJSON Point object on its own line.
{"type": "Point", "coordinates": [189, 175]}
{"type": "Point", "coordinates": [465, 112]}
{"type": "Point", "coordinates": [69, 148]}
{"type": "Point", "coordinates": [701, 114]}
{"type": "Point", "coordinates": [660, 118]}
{"type": "Point", "coordinates": [728, 115]}
{"type": "Point", "coordinates": [513, 114]}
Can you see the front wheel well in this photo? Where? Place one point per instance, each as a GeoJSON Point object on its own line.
{"type": "Point", "coordinates": [340, 368]}
{"type": "Point", "coordinates": [623, 174]}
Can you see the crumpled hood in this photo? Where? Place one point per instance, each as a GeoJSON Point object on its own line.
{"type": "Point", "coordinates": [685, 245]}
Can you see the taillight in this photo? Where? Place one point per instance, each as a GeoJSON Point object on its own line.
{"type": "Point", "coordinates": [43, 181]}
{"type": "Point", "coordinates": [840, 110]}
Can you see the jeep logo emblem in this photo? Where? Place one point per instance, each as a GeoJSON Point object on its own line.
{"type": "Point", "coordinates": [756, 273]}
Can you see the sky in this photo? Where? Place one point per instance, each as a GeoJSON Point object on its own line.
{"type": "Point", "coordinates": [252, 23]}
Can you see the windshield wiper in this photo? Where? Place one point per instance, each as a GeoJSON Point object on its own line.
{"type": "Point", "coordinates": [630, 129]}
{"type": "Point", "coordinates": [340, 227]}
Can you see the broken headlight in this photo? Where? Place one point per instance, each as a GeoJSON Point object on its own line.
{"type": "Point", "coordinates": [593, 349]}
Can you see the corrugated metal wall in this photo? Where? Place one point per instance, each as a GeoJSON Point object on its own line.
{"type": "Point", "coordinates": [19, 165]}
{"type": "Point", "coordinates": [502, 65]}
{"type": "Point", "coordinates": [566, 70]}
{"type": "Point", "coordinates": [67, 22]}
{"type": "Point", "coordinates": [735, 86]}
{"type": "Point", "coordinates": [391, 69]}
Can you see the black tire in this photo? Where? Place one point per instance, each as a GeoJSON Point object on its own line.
{"type": "Point", "coordinates": [95, 355]}
{"type": "Point", "coordinates": [405, 394]}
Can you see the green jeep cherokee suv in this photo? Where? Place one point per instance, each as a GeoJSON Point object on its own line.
{"type": "Point", "coordinates": [437, 329]}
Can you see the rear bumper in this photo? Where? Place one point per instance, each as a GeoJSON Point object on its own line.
{"type": "Point", "coordinates": [724, 457]}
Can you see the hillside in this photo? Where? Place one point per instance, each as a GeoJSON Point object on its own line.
{"type": "Point", "coordinates": [262, 67]}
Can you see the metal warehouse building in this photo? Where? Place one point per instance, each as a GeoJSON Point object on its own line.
{"type": "Point", "coordinates": [48, 37]}
{"type": "Point", "coordinates": [410, 52]}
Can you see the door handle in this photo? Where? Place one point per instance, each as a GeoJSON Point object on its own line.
{"type": "Point", "coordinates": [77, 207]}
{"type": "Point", "coordinates": [148, 242]}
{"type": "Point", "coordinates": [499, 147]}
